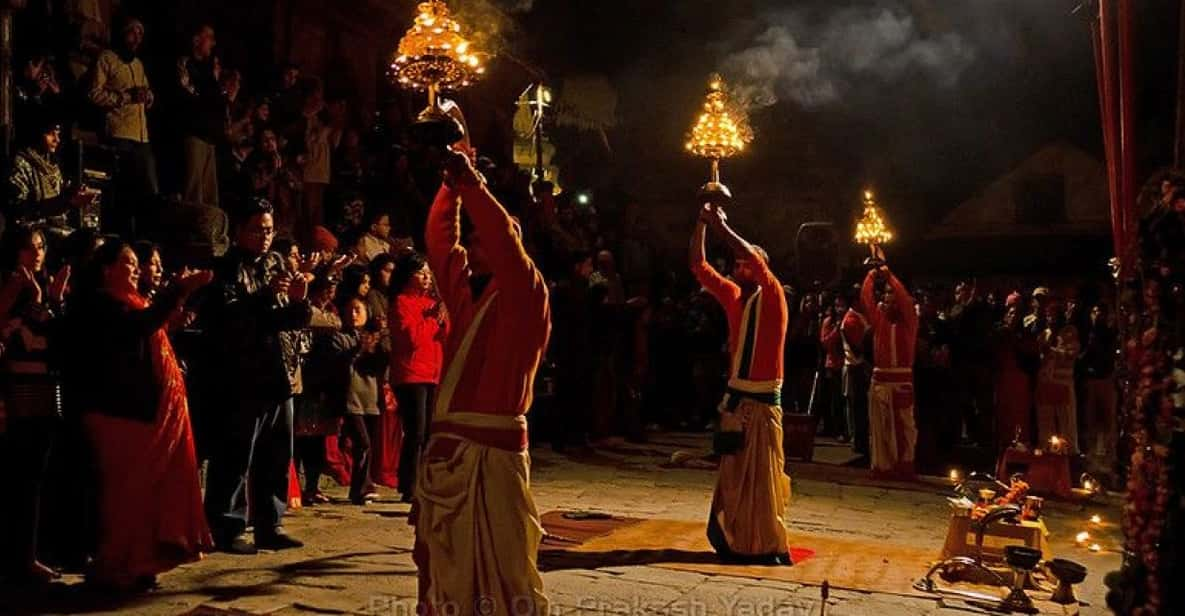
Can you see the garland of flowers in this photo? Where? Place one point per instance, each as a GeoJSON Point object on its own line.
{"type": "Point", "coordinates": [1148, 480]}
{"type": "Point", "coordinates": [1152, 397]}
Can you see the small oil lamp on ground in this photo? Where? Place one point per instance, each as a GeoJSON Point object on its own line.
{"type": "Point", "coordinates": [720, 132]}
{"type": "Point", "coordinates": [433, 56]}
{"type": "Point", "coordinates": [872, 229]}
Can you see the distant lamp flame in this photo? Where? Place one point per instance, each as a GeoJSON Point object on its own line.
{"type": "Point", "coordinates": [872, 228]}
{"type": "Point", "coordinates": [1096, 519]}
{"type": "Point", "coordinates": [1094, 547]}
{"type": "Point", "coordinates": [1082, 537]}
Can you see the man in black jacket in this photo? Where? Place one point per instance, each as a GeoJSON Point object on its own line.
{"type": "Point", "coordinates": [252, 302]}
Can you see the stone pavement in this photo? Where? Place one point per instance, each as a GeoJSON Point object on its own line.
{"type": "Point", "coordinates": [358, 560]}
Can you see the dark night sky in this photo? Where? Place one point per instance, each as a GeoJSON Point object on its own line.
{"type": "Point", "coordinates": [930, 99]}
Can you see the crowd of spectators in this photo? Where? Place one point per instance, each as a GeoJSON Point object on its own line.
{"type": "Point", "coordinates": [280, 258]}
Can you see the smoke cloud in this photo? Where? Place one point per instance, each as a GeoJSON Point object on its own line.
{"type": "Point", "coordinates": [815, 61]}
{"type": "Point", "coordinates": [518, 6]}
{"type": "Point", "coordinates": [493, 26]}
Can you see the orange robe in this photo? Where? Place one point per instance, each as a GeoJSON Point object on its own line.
{"type": "Point", "coordinates": [893, 431]}
{"type": "Point", "coordinates": [747, 520]}
{"type": "Point", "coordinates": [473, 502]}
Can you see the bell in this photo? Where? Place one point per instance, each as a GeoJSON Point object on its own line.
{"type": "Point", "coordinates": [434, 127]}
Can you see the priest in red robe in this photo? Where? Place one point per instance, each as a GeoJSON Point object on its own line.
{"type": "Point", "coordinates": [477, 528]}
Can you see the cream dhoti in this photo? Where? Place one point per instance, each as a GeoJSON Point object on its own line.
{"type": "Point", "coordinates": [477, 529]}
{"type": "Point", "coordinates": [748, 516]}
{"type": "Point", "coordinates": [892, 429]}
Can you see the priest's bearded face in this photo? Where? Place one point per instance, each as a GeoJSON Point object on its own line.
{"type": "Point", "coordinates": [748, 270]}
{"type": "Point", "coordinates": [745, 271]}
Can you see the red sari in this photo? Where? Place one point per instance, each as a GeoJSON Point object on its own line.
{"type": "Point", "coordinates": [338, 462]}
{"type": "Point", "coordinates": [385, 447]}
{"type": "Point", "coordinates": [151, 517]}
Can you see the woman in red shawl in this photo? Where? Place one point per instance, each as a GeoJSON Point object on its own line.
{"type": "Point", "coordinates": [419, 325]}
{"type": "Point", "coordinates": [136, 415]}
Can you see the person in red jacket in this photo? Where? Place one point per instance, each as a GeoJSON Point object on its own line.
{"type": "Point", "coordinates": [418, 324]}
{"type": "Point", "coordinates": [477, 528]}
{"type": "Point", "coordinates": [893, 433]}
{"type": "Point", "coordinates": [747, 521]}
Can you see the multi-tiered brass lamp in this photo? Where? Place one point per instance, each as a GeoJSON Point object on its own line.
{"type": "Point", "coordinates": [873, 230]}
{"type": "Point", "coordinates": [721, 131]}
{"type": "Point", "coordinates": [434, 56]}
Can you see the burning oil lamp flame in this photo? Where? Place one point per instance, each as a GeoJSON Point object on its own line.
{"type": "Point", "coordinates": [433, 55]}
{"type": "Point", "coordinates": [1082, 537]}
{"type": "Point", "coordinates": [1094, 547]}
{"type": "Point", "coordinates": [871, 228]}
{"type": "Point", "coordinates": [721, 131]}
{"type": "Point", "coordinates": [1096, 519]}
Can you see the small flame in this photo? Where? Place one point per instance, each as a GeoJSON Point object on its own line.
{"type": "Point", "coordinates": [1082, 537]}
{"type": "Point", "coordinates": [1096, 519]}
{"type": "Point", "coordinates": [1094, 547]}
